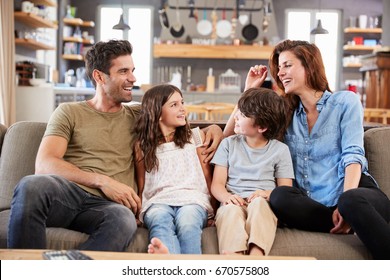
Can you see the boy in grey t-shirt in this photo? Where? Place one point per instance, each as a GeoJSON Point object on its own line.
{"type": "Point", "coordinates": [248, 166]}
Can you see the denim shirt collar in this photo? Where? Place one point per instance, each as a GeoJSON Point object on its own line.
{"type": "Point", "coordinates": [320, 103]}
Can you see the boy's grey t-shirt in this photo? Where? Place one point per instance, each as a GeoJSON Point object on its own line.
{"type": "Point", "coordinates": [251, 169]}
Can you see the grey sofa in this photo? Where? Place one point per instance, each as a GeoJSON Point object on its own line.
{"type": "Point", "coordinates": [19, 144]}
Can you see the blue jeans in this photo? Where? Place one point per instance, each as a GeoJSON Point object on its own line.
{"type": "Point", "coordinates": [178, 227]}
{"type": "Point", "coordinates": [42, 201]}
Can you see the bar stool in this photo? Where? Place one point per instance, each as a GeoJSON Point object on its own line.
{"type": "Point", "coordinates": [376, 115]}
{"type": "Point", "coordinates": [209, 111]}
{"type": "Point", "coordinates": [196, 112]}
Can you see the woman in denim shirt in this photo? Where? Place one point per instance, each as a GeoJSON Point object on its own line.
{"type": "Point", "coordinates": [333, 191]}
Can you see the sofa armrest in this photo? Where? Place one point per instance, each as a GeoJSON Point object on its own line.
{"type": "Point", "coordinates": [3, 130]}
{"type": "Point", "coordinates": [19, 149]}
{"type": "Point", "coordinates": [377, 146]}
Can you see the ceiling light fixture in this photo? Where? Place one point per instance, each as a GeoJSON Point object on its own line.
{"type": "Point", "coordinates": [319, 29]}
{"type": "Point", "coordinates": [122, 25]}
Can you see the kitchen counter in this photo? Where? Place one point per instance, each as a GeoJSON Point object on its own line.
{"type": "Point", "coordinates": [38, 103]}
{"type": "Point", "coordinates": [189, 96]}
{"type": "Point", "coordinates": [81, 93]}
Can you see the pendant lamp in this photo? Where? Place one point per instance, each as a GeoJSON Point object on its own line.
{"type": "Point", "coordinates": [319, 29]}
{"type": "Point", "coordinates": [122, 25]}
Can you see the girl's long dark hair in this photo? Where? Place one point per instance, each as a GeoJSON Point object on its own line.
{"type": "Point", "coordinates": [147, 129]}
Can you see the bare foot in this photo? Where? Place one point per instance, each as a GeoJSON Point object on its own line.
{"type": "Point", "coordinates": [157, 247]}
{"type": "Point", "coordinates": [255, 250]}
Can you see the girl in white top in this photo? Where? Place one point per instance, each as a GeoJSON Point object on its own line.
{"type": "Point", "coordinates": [172, 178]}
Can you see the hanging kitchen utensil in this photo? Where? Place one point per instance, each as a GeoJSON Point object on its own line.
{"type": "Point", "coordinates": [163, 15]}
{"type": "Point", "coordinates": [196, 15]}
{"type": "Point", "coordinates": [265, 23]}
{"type": "Point", "coordinates": [234, 24]}
{"type": "Point", "coordinates": [224, 27]}
{"type": "Point", "coordinates": [191, 4]}
{"type": "Point", "coordinates": [214, 19]}
{"type": "Point", "coordinates": [250, 31]}
{"type": "Point", "coordinates": [204, 26]}
{"type": "Point", "coordinates": [177, 29]}
{"type": "Point", "coordinates": [243, 19]}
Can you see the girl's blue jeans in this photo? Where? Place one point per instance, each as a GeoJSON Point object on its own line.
{"type": "Point", "coordinates": [178, 227]}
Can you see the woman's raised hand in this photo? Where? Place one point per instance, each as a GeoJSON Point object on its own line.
{"type": "Point", "coordinates": [256, 76]}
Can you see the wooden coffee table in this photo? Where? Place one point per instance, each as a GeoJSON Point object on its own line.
{"type": "Point", "coordinates": [13, 254]}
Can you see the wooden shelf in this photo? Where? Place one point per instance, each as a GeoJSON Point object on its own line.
{"type": "Point", "coordinates": [33, 44]}
{"type": "Point", "coordinates": [78, 22]}
{"type": "Point", "coordinates": [78, 40]}
{"type": "Point", "coordinates": [72, 57]}
{"type": "Point", "coordinates": [212, 52]}
{"type": "Point", "coordinates": [34, 20]}
{"type": "Point", "coordinates": [352, 65]}
{"type": "Point", "coordinates": [362, 30]}
{"type": "Point", "coordinates": [45, 2]}
{"type": "Point", "coordinates": [360, 47]}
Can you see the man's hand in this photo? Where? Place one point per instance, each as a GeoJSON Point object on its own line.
{"type": "Point", "coordinates": [122, 194]}
{"type": "Point", "coordinates": [214, 136]}
{"type": "Point", "coordinates": [340, 226]}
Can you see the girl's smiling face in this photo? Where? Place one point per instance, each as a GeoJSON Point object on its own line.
{"type": "Point", "coordinates": [173, 113]}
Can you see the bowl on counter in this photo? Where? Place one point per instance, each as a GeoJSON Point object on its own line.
{"type": "Point", "coordinates": [37, 82]}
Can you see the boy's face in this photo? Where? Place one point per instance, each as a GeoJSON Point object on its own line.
{"type": "Point", "coordinates": [244, 125]}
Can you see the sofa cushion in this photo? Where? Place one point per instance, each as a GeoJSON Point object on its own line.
{"type": "Point", "coordinates": [18, 154]}
{"type": "Point", "coordinates": [322, 246]}
{"type": "Point", "coordinates": [376, 143]}
{"type": "Point", "coordinates": [64, 239]}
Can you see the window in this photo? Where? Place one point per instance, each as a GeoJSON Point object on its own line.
{"type": "Point", "coordinates": [301, 22]}
{"type": "Point", "coordinates": [140, 35]}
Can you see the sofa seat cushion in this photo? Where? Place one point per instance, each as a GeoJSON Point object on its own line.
{"type": "Point", "coordinates": [4, 220]}
{"type": "Point", "coordinates": [64, 239]}
{"type": "Point", "coordinates": [322, 246]}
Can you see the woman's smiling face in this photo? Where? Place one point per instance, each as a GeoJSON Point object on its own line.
{"type": "Point", "coordinates": [291, 73]}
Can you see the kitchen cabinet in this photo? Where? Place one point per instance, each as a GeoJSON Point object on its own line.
{"type": "Point", "coordinates": [212, 51]}
{"type": "Point", "coordinates": [74, 44]}
{"type": "Point", "coordinates": [376, 72]}
{"type": "Point", "coordinates": [38, 103]}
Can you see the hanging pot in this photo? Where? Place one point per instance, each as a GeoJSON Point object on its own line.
{"type": "Point", "coordinates": [204, 26]}
{"type": "Point", "coordinates": [177, 29]}
{"type": "Point", "coordinates": [163, 15]}
{"type": "Point", "coordinates": [250, 31]}
{"type": "Point", "coordinates": [224, 27]}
